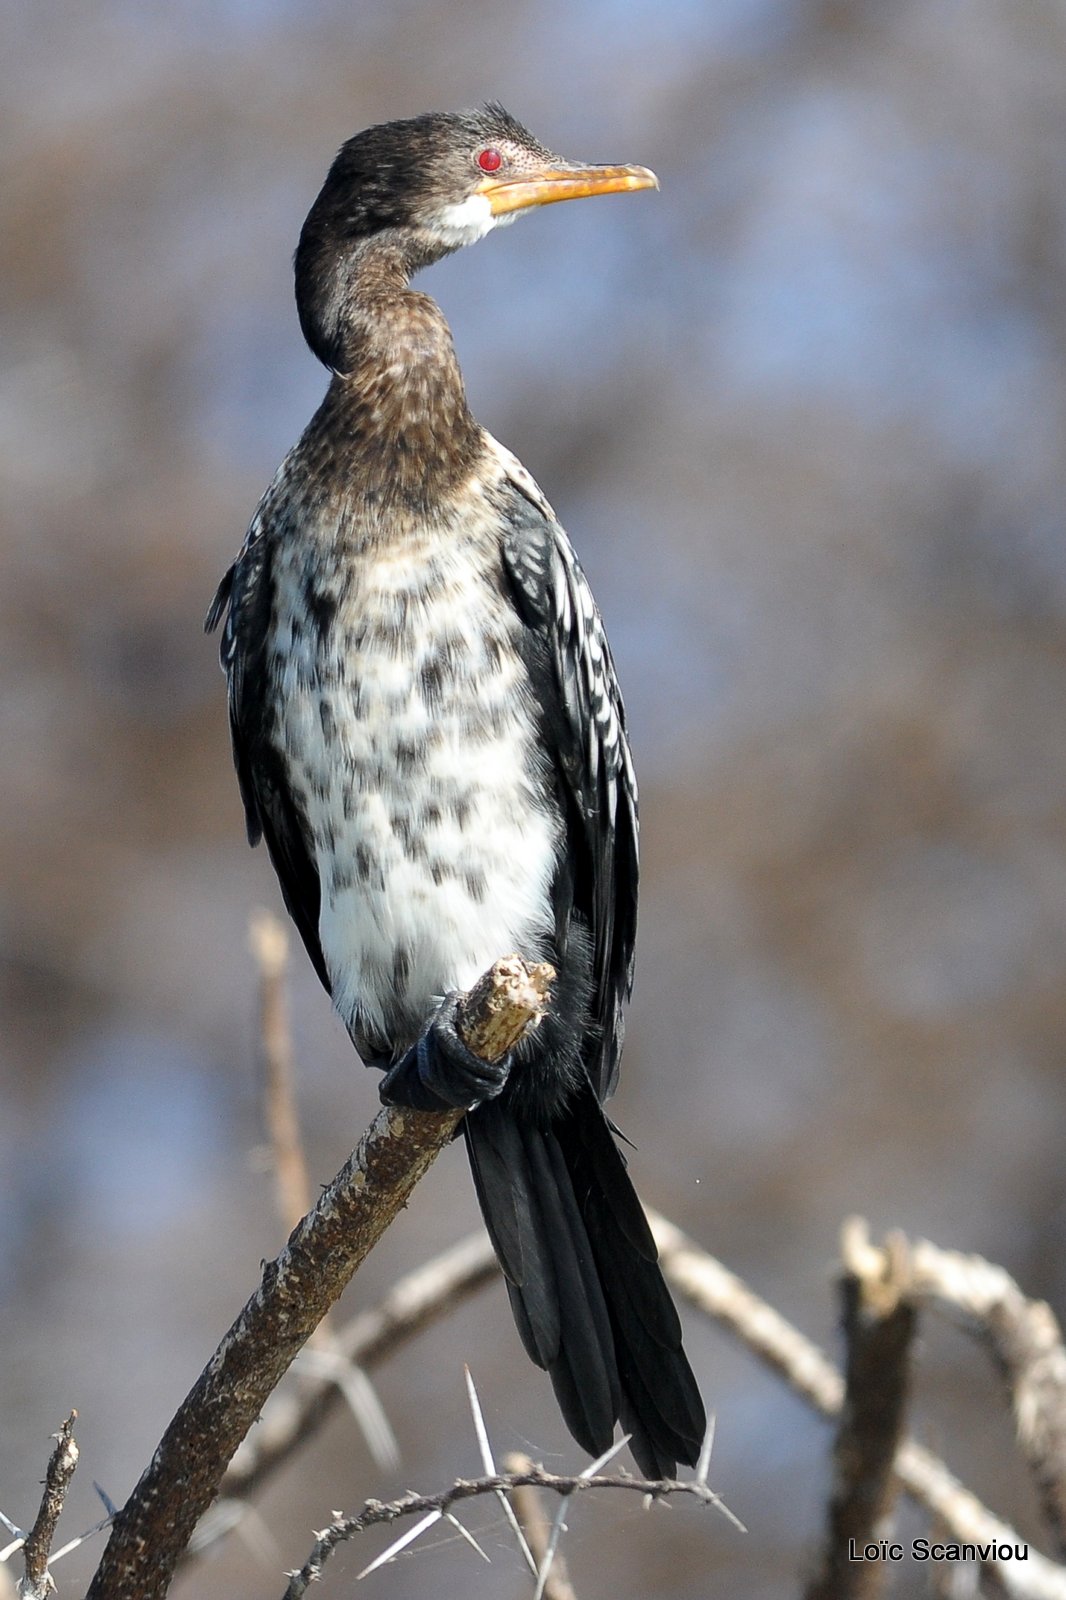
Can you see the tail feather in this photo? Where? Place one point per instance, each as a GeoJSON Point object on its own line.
{"type": "Point", "coordinates": [590, 1358]}
{"type": "Point", "coordinates": [504, 1181]}
{"type": "Point", "coordinates": [528, 1202]}
{"type": "Point", "coordinates": [639, 1304]}
{"type": "Point", "coordinates": [589, 1142]}
{"type": "Point", "coordinates": [587, 1294]}
{"type": "Point", "coordinates": [656, 1447]}
{"type": "Point", "coordinates": [494, 1146]}
{"type": "Point", "coordinates": [586, 1262]}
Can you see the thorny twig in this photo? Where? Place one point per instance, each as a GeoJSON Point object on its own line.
{"type": "Point", "coordinates": [558, 1527]}
{"type": "Point", "coordinates": [415, 1505]}
{"type": "Point", "coordinates": [541, 1564]}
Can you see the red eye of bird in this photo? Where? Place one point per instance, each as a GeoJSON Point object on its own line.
{"type": "Point", "coordinates": [490, 161]}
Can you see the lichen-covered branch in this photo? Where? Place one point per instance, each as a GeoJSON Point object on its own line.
{"type": "Point", "coordinates": [415, 1301]}
{"type": "Point", "coordinates": [37, 1582]}
{"type": "Point", "coordinates": [297, 1288]}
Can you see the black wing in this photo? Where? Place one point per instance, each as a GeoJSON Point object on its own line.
{"type": "Point", "coordinates": [585, 730]}
{"type": "Point", "coordinates": [247, 591]}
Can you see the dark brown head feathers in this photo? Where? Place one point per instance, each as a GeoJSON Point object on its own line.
{"type": "Point", "coordinates": [389, 187]}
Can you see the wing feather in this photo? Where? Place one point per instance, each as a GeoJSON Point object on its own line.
{"type": "Point", "coordinates": [584, 727]}
{"type": "Point", "coordinates": [245, 598]}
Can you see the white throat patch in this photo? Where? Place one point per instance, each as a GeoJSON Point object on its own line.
{"type": "Point", "coordinates": [469, 220]}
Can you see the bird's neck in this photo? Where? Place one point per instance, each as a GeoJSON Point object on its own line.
{"type": "Point", "coordinates": [397, 399]}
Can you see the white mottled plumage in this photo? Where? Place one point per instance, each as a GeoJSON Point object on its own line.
{"type": "Point", "coordinates": [434, 847]}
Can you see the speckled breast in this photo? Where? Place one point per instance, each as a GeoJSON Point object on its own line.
{"type": "Point", "coordinates": [411, 744]}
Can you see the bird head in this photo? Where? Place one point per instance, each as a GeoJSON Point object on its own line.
{"type": "Point", "coordinates": [423, 187]}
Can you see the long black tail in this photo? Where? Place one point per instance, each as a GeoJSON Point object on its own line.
{"type": "Point", "coordinates": [582, 1272]}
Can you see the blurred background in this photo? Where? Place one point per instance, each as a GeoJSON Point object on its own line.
{"type": "Point", "coordinates": [804, 416]}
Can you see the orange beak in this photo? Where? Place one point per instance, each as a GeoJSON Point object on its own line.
{"type": "Point", "coordinates": [545, 185]}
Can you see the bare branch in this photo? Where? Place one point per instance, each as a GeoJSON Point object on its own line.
{"type": "Point", "coordinates": [709, 1286]}
{"type": "Point", "coordinates": [432, 1507]}
{"type": "Point", "coordinates": [878, 1323]}
{"type": "Point", "coordinates": [297, 1289]}
{"type": "Point", "coordinates": [537, 1527]}
{"type": "Point", "coordinates": [1027, 1343]}
{"type": "Point", "coordinates": [697, 1277]}
{"type": "Point", "coordinates": [416, 1301]}
{"type": "Point", "coordinates": [510, 997]}
{"type": "Point", "coordinates": [38, 1583]}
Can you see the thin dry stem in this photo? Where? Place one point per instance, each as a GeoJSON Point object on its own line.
{"type": "Point", "coordinates": [418, 1505]}
{"type": "Point", "coordinates": [270, 946]}
{"type": "Point", "coordinates": [536, 1525]}
{"type": "Point", "coordinates": [269, 942]}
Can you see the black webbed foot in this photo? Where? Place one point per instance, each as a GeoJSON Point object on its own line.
{"type": "Point", "coordinates": [439, 1073]}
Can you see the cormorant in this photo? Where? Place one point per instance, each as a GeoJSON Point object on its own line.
{"type": "Point", "coordinates": [429, 735]}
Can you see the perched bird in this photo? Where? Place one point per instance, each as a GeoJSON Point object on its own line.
{"type": "Point", "coordinates": [429, 735]}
